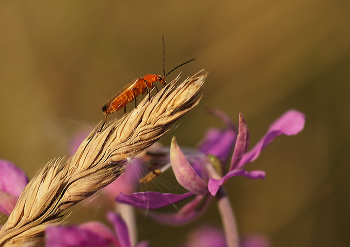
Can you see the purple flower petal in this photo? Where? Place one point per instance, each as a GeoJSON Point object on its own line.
{"type": "Point", "coordinates": [290, 123]}
{"type": "Point", "coordinates": [214, 184]}
{"type": "Point", "coordinates": [101, 230]}
{"type": "Point", "coordinates": [184, 173]}
{"type": "Point", "coordinates": [197, 159]}
{"type": "Point", "coordinates": [219, 142]}
{"type": "Point", "coordinates": [186, 214]}
{"type": "Point", "coordinates": [7, 202]}
{"type": "Point", "coordinates": [242, 142]}
{"type": "Point", "coordinates": [207, 236]}
{"type": "Point", "coordinates": [254, 175]}
{"type": "Point", "coordinates": [73, 236]}
{"type": "Point", "coordinates": [151, 200]}
{"type": "Point", "coordinates": [12, 179]}
{"type": "Point", "coordinates": [121, 229]}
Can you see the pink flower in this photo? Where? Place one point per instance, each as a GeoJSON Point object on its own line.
{"type": "Point", "coordinates": [12, 182]}
{"type": "Point", "coordinates": [201, 177]}
{"type": "Point", "coordinates": [92, 234]}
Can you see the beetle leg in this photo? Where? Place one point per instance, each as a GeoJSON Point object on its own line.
{"type": "Point", "coordinates": [133, 91]}
{"type": "Point", "coordinates": [149, 94]}
{"type": "Point", "coordinates": [124, 109]}
{"type": "Point", "coordinates": [148, 91]}
{"type": "Point", "coordinates": [104, 123]}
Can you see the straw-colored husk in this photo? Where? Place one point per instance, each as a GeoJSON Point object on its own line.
{"type": "Point", "coordinates": [98, 161]}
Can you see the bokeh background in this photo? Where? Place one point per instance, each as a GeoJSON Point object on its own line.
{"type": "Point", "coordinates": [61, 61]}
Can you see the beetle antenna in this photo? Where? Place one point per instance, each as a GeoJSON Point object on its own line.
{"type": "Point", "coordinates": [179, 66]}
{"type": "Point", "coordinates": [163, 55]}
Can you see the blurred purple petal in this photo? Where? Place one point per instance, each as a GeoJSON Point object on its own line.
{"type": "Point", "coordinates": [120, 228]}
{"type": "Point", "coordinates": [12, 179]}
{"type": "Point", "coordinates": [7, 202]}
{"type": "Point", "coordinates": [242, 142]}
{"type": "Point", "coordinates": [77, 139]}
{"type": "Point", "coordinates": [254, 175]}
{"type": "Point", "coordinates": [219, 142]}
{"type": "Point", "coordinates": [255, 241]}
{"type": "Point", "coordinates": [128, 182]}
{"type": "Point", "coordinates": [290, 123]}
{"type": "Point", "coordinates": [184, 173]}
{"type": "Point", "coordinates": [151, 200]}
{"type": "Point", "coordinates": [101, 230]}
{"type": "Point", "coordinates": [186, 214]}
{"type": "Point", "coordinates": [199, 169]}
{"type": "Point", "coordinates": [73, 236]}
{"type": "Point", "coordinates": [207, 236]}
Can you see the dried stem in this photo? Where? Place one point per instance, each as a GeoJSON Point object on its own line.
{"type": "Point", "coordinates": [98, 161]}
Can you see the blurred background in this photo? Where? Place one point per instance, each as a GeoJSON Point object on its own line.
{"type": "Point", "coordinates": [61, 61]}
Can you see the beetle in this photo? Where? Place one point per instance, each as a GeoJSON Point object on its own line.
{"type": "Point", "coordinates": [135, 88]}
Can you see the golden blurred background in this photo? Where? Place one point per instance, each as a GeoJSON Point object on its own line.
{"type": "Point", "coordinates": [61, 61]}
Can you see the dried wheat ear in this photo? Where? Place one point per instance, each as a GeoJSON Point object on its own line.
{"type": "Point", "coordinates": [98, 161]}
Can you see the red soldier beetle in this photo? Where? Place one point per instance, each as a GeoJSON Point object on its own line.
{"type": "Point", "coordinates": [135, 88]}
